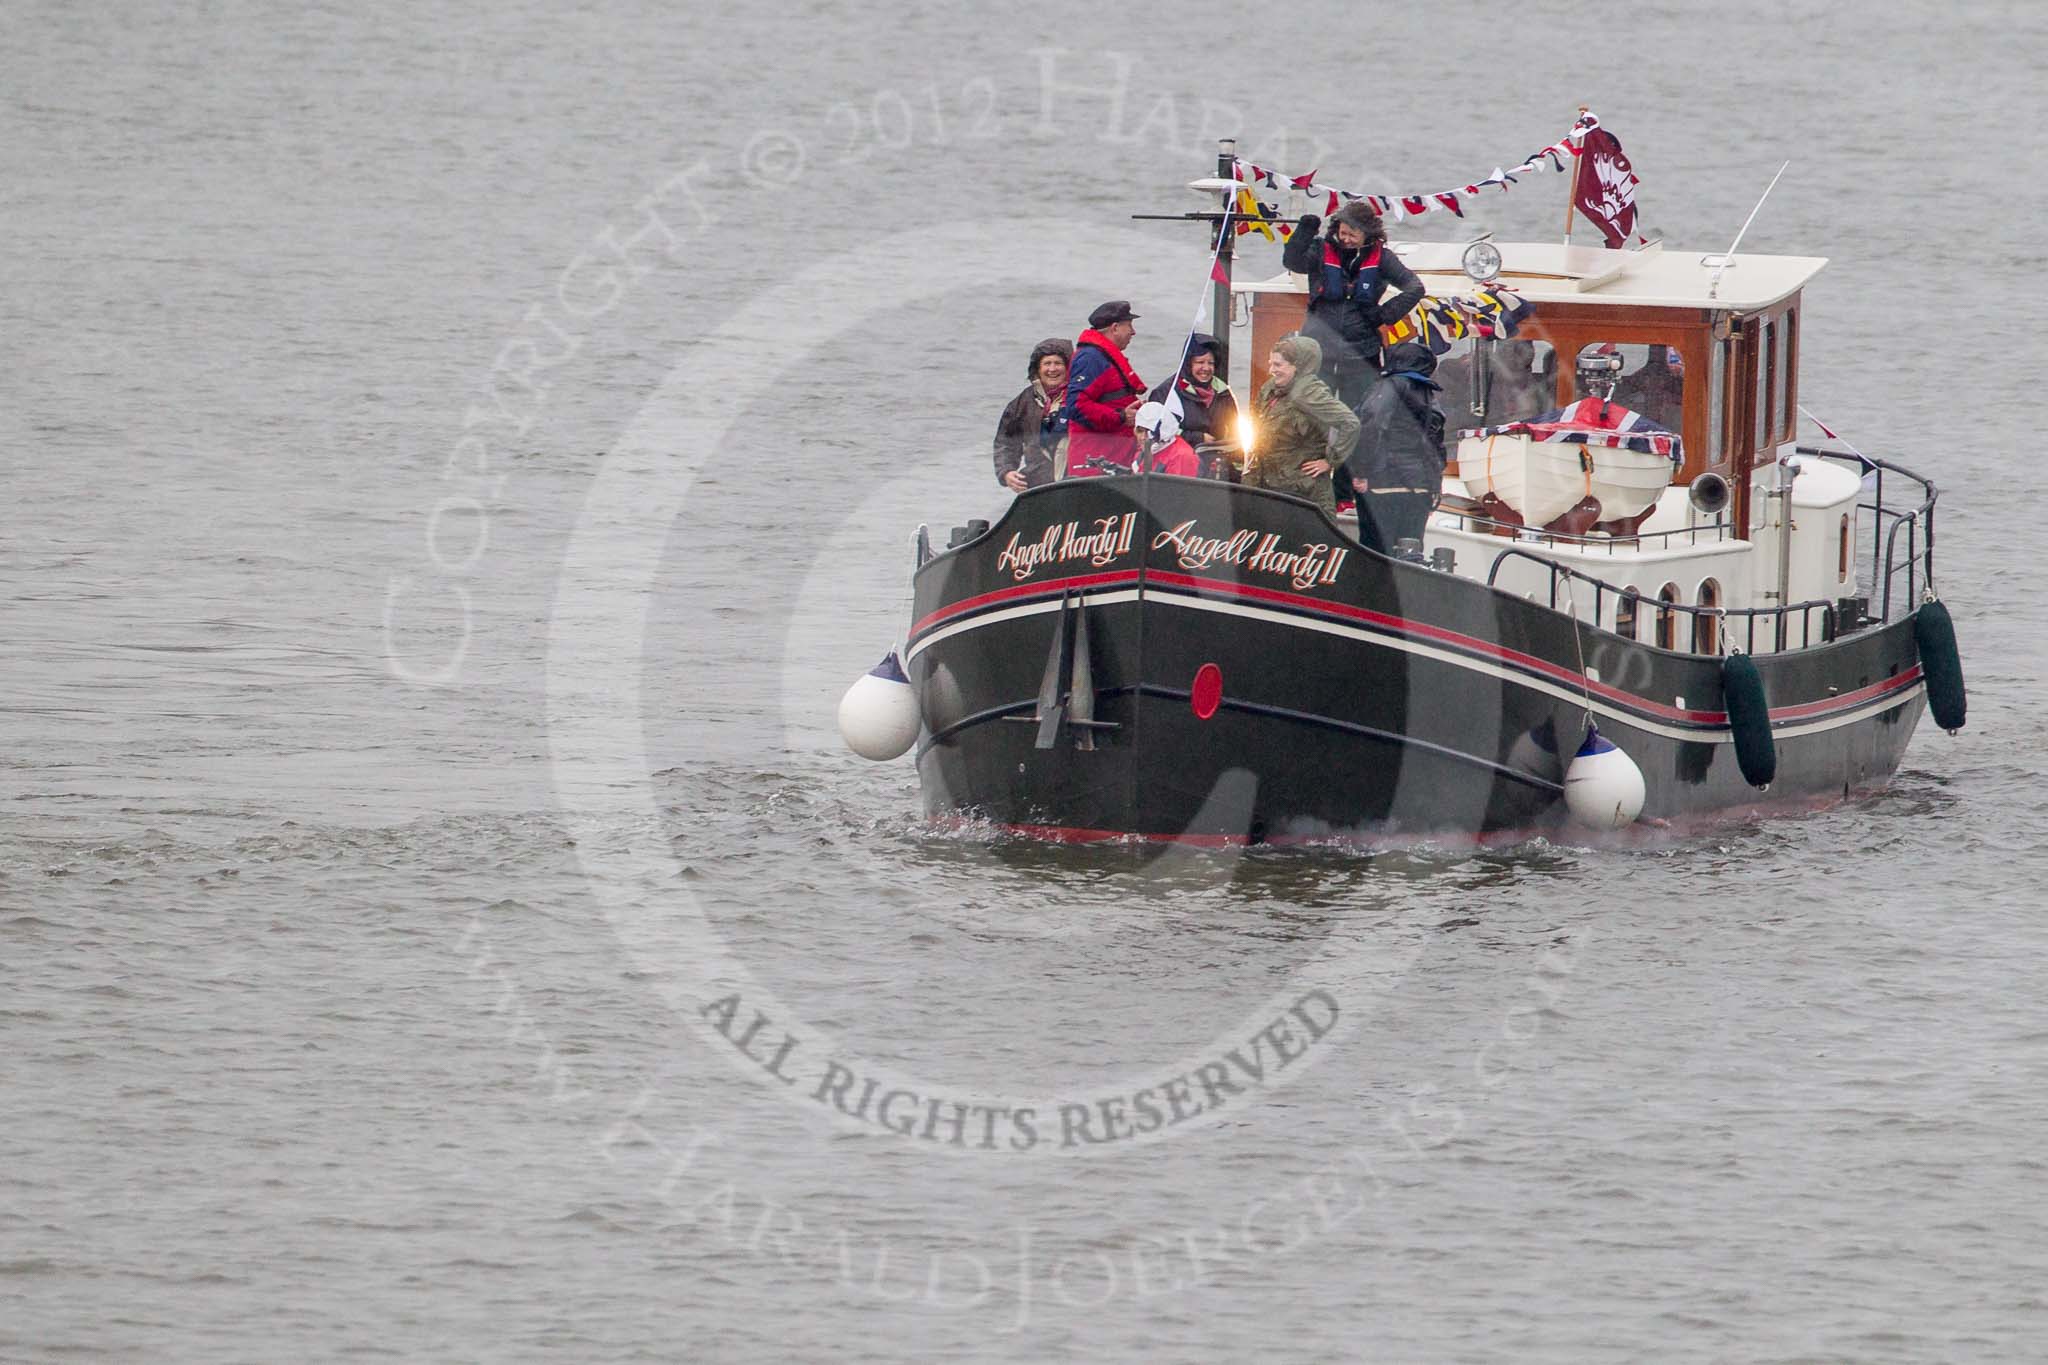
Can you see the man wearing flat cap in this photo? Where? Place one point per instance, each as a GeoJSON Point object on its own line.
{"type": "Point", "coordinates": [1103, 394]}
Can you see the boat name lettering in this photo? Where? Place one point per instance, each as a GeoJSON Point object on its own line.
{"type": "Point", "coordinates": [1109, 540]}
{"type": "Point", "coordinates": [1310, 566]}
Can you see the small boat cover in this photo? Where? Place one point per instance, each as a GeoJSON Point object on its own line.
{"type": "Point", "coordinates": [1583, 423]}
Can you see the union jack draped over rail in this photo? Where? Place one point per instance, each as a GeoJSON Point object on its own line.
{"type": "Point", "coordinates": [1582, 423]}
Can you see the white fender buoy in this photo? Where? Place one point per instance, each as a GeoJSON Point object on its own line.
{"type": "Point", "coordinates": [878, 714]}
{"type": "Point", "coordinates": [1603, 787]}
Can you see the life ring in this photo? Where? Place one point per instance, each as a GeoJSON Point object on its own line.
{"type": "Point", "coordinates": [1941, 664]}
{"type": "Point", "coordinates": [1749, 717]}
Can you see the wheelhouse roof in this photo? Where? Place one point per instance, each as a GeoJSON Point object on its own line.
{"type": "Point", "coordinates": [1548, 272]}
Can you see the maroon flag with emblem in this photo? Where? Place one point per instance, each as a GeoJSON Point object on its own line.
{"type": "Point", "coordinates": [1606, 187]}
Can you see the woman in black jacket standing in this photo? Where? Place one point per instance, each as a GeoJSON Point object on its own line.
{"type": "Point", "coordinates": [1349, 271]}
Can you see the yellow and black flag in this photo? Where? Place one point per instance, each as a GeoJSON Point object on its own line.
{"type": "Point", "coordinates": [1252, 216]}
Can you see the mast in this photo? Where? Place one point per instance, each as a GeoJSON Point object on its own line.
{"type": "Point", "coordinates": [1219, 311]}
{"type": "Point", "coordinates": [1571, 195]}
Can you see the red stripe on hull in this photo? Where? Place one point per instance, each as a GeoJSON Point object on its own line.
{"type": "Point", "coordinates": [1401, 625]}
{"type": "Point", "coordinates": [1807, 710]}
{"type": "Point", "coordinates": [1412, 629]}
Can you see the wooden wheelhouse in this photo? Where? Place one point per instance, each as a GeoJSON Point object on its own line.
{"type": "Point", "coordinates": [1738, 339]}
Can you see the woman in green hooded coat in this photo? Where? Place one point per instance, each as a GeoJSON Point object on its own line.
{"type": "Point", "coordinates": [1304, 429]}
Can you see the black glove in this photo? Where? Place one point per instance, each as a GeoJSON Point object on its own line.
{"type": "Point", "coordinates": [1308, 224]}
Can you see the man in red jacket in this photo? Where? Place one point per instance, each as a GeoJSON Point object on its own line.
{"type": "Point", "coordinates": [1103, 395]}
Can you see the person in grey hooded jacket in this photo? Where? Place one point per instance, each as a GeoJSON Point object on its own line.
{"type": "Point", "coordinates": [1398, 467]}
{"type": "Point", "coordinates": [1304, 430]}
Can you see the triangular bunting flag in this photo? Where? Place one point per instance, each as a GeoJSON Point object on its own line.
{"type": "Point", "coordinates": [1578, 143]}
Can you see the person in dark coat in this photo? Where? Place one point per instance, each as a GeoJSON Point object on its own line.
{"type": "Point", "coordinates": [1398, 466]}
{"type": "Point", "coordinates": [1031, 427]}
{"type": "Point", "coordinates": [1657, 390]}
{"type": "Point", "coordinates": [1208, 407]}
{"type": "Point", "coordinates": [1518, 389]}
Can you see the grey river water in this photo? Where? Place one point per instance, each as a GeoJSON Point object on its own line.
{"type": "Point", "coordinates": [455, 458]}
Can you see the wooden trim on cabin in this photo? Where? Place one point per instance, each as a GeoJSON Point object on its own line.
{"type": "Point", "coordinates": [1567, 327]}
{"type": "Point", "coordinates": [1781, 323]}
{"type": "Point", "coordinates": [1739, 407]}
{"type": "Point", "coordinates": [1273, 317]}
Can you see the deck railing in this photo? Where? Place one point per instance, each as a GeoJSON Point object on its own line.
{"type": "Point", "coordinates": [1776, 619]}
{"type": "Point", "coordinates": [1916, 524]}
{"type": "Point", "coordinates": [1710, 533]}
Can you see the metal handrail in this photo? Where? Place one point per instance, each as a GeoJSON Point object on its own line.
{"type": "Point", "coordinates": [1719, 529]}
{"type": "Point", "coordinates": [1692, 610]}
{"type": "Point", "coordinates": [1885, 565]}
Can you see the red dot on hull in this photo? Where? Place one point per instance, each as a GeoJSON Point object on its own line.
{"type": "Point", "coordinates": [1207, 693]}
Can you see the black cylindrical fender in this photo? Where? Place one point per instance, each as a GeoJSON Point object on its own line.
{"type": "Point", "coordinates": [1941, 664]}
{"type": "Point", "coordinates": [1749, 716]}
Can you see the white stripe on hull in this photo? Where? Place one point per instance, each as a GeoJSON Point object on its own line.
{"type": "Point", "coordinates": [1046, 604]}
{"type": "Point", "coordinates": [1560, 691]}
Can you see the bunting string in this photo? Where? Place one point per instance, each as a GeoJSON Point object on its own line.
{"type": "Point", "coordinates": [1556, 157]}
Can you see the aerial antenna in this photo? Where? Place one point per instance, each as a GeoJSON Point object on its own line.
{"type": "Point", "coordinates": [1727, 257]}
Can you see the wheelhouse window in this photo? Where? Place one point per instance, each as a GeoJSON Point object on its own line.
{"type": "Point", "coordinates": [1766, 357]}
{"type": "Point", "coordinates": [1788, 361]}
{"type": "Point", "coordinates": [1717, 405]}
{"type": "Point", "coordinates": [1842, 553]}
{"type": "Point", "coordinates": [1667, 616]}
{"type": "Point", "coordinates": [1648, 379]}
{"type": "Point", "coordinates": [1516, 379]}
